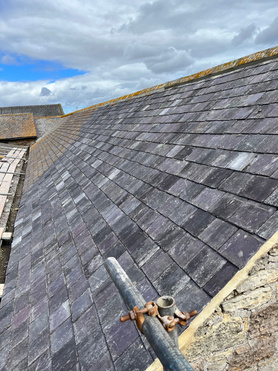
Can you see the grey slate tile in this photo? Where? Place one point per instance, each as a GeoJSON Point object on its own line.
{"type": "Point", "coordinates": [184, 250]}
{"type": "Point", "coordinates": [269, 227]}
{"type": "Point", "coordinates": [171, 280]}
{"type": "Point", "coordinates": [204, 266]}
{"type": "Point", "coordinates": [217, 233]}
{"type": "Point", "coordinates": [136, 357]}
{"type": "Point", "coordinates": [220, 279]}
{"type": "Point", "coordinates": [191, 297]}
{"type": "Point", "coordinates": [60, 337]}
{"type": "Point", "coordinates": [158, 263]}
{"type": "Point", "coordinates": [66, 358]}
{"type": "Point", "coordinates": [240, 247]}
{"type": "Point", "coordinates": [38, 347]}
{"type": "Point", "coordinates": [42, 363]}
{"type": "Point", "coordinates": [251, 216]}
{"type": "Point", "coordinates": [81, 304]}
{"type": "Point", "coordinates": [98, 278]}
{"type": "Point", "coordinates": [59, 316]}
{"type": "Point", "coordinates": [197, 222]}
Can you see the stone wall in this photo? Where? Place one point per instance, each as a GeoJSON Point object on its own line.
{"type": "Point", "coordinates": [242, 331]}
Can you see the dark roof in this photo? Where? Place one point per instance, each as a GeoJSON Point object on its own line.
{"type": "Point", "coordinates": [37, 110]}
{"type": "Point", "coordinates": [17, 126]}
{"type": "Point", "coordinates": [180, 186]}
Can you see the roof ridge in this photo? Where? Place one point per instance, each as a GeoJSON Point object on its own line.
{"type": "Point", "coordinates": [251, 58]}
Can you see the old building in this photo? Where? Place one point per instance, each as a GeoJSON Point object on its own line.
{"type": "Point", "coordinates": [177, 182]}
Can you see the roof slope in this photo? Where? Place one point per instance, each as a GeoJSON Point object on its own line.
{"type": "Point", "coordinates": [180, 186]}
{"type": "Point", "coordinates": [37, 110]}
{"type": "Point", "coordinates": [17, 126]}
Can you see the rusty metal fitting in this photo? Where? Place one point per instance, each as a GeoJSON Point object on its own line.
{"type": "Point", "coordinates": [152, 309]}
{"type": "Point", "coordinates": [168, 322]}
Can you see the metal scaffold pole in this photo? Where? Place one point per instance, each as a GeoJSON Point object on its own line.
{"type": "Point", "coordinates": [164, 347]}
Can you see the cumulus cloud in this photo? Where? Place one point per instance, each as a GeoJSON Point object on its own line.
{"type": "Point", "coordinates": [125, 46]}
{"type": "Point", "coordinates": [8, 59]}
{"type": "Point", "coordinates": [269, 35]}
{"type": "Point", "coordinates": [244, 34]}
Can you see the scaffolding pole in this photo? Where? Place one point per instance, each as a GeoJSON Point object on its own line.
{"type": "Point", "coordinates": [164, 347]}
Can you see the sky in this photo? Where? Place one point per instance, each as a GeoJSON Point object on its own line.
{"type": "Point", "coordinates": [83, 52]}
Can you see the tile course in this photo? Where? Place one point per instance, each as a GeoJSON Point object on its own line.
{"type": "Point", "coordinates": [180, 186]}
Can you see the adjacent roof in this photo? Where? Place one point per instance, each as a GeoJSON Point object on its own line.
{"type": "Point", "coordinates": [36, 110]}
{"type": "Point", "coordinates": [179, 185]}
{"type": "Point", "coordinates": [17, 126]}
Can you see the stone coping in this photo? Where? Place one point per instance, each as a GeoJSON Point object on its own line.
{"type": "Point", "coordinates": [225, 67]}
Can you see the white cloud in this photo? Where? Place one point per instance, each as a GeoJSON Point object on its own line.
{"type": "Point", "coordinates": [125, 46]}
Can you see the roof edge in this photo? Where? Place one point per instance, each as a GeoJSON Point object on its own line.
{"type": "Point", "coordinates": [186, 337]}
{"type": "Point", "coordinates": [225, 67]}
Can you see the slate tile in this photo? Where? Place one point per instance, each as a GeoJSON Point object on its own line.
{"type": "Point", "coordinates": [135, 357]}
{"type": "Point", "coordinates": [182, 212]}
{"type": "Point", "coordinates": [171, 280]}
{"type": "Point", "coordinates": [56, 285]}
{"type": "Point", "coordinates": [92, 351]}
{"type": "Point", "coordinates": [191, 297]}
{"type": "Point", "coordinates": [17, 335]}
{"type": "Point", "coordinates": [172, 236]}
{"type": "Point", "coordinates": [81, 304]}
{"type": "Point", "coordinates": [60, 337]}
{"type": "Point", "coordinates": [21, 302]}
{"type": "Point", "coordinates": [78, 288]}
{"type": "Point", "coordinates": [197, 222]}
{"type": "Point", "coordinates": [191, 191]}
{"type": "Point", "coordinates": [185, 250]}
{"type": "Point", "coordinates": [42, 363]}
{"type": "Point", "coordinates": [204, 266]}
{"type": "Point", "coordinates": [66, 358]}
{"type": "Point", "coordinates": [168, 182]}
{"type": "Point", "coordinates": [240, 248]}
{"type": "Point", "coordinates": [157, 264]}
{"type": "Point", "coordinates": [268, 229]}
{"type": "Point", "coordinates": [38, 347]}
{"type": "Point", "coordinates": [119, 338]}
{"type": "Point", "coordinates": [227, 206]}
{"type": "Point", "coordinates": [87, 322]}
{"type": "Point", "coordinates": [21, 316]}
{"type": "Point", "coordinates": [216, 177]}
{"type": "Point", "coordinates": [251, 216]}
{"type": "Point", "coordinates": [237, 182]}
{"type": "Point", "coordinates": [73, 273]}
{"type": "Point", "coordinates": [17, 354]}
{"type": "Point", "coordinates": [144, 251]}
{"type": "Point", "coordinates": [59, 316]}
{"type": "Point", "coordinates": [207, 198]}
{"type": "Point", "coordinates": [273, 198]}
{"type": "Point", "coordinates": [36, 327]}
{"type": "Point", "coordinates": [220, 279]}
{"type": "Point", "coordinates": [147, 290]}
{"type": "Point", "coordinates": [259, 188]}
{"type": "Point", "coordinates": [242, 160]}
{"type": "Point", "coordinates": [98, 278]}
{"type": "Point", "coordinates": [264, 164]}
{"type": "Point", "coordinates": [217, 233]}
{"type": "Point", "coordinates": [115, 251]}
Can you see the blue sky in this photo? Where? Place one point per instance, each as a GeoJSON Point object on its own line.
{"type": "Point", "coordinates": [22, 69]}
{"type": "Point", "coordinates": [80, 53]}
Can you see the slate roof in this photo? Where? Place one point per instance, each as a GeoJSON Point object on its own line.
{"type": "Point", "coordinates": [179, 185]}
{"type": "Point", "coordinates": [37, 110]}
{"type": "Point", "coordinates": [17, 126]}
